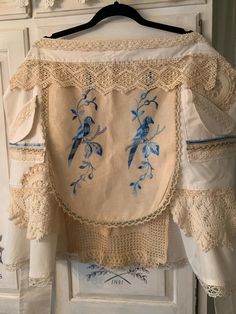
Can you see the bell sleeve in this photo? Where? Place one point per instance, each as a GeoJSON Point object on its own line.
{"type": "Point", "coordinates": [28, 238]}
{"type": "Point", "coordinates": [205, 209]}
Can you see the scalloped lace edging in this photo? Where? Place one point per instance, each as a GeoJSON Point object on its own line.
{"type": "Point", "coordinates": [215, 291]}
{"type": "Point", "coordinates": [209, 216]}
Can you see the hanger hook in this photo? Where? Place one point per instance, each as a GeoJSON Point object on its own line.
{"type": "Point", "coordinates": [116, 2]}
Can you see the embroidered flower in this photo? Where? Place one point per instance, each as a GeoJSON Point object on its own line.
{"type": "Point", "coordinates": [141, 138]}
{"type": "Point", "coordinates": [85, 137]}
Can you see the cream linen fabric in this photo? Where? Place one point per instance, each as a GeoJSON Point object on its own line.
{"type": "Point", "coordinates": [183, 70]}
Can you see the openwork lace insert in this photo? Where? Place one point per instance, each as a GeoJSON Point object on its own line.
{"type": "Point", "coordinates": [209, 216]}
{"type": "Point", "coordinates": [195, 70]}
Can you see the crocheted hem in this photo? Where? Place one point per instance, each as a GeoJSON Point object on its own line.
{"type": "Point", "coordinates": [209, 216]}
{"type": "Point", "coordinates": [119, 44]}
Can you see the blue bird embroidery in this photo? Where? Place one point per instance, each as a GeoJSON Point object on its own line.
{"type": "Point", "coordinates": [85, 136]}
{"type": "Point", "coordinates": [140, 137]}
{"type": "Point", "coordinates": [83, 130]}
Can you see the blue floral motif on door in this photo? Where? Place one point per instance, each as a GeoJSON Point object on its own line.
{"type": "Point", "coordinates": [138, 272]}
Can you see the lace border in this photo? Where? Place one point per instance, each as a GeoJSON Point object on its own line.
{"type": "Point", "coordinates": [119, 44]}
{"type": "Point", "coordinates": [27, 154]}
{"type": "Point", "coordinates": [208, 216]}
{"type": "Point", "coordinates": [204, 152]}
{"type": "Point", "coordinates": [217, 291]}
{"type": "Point", "coordinates": [194, 70]}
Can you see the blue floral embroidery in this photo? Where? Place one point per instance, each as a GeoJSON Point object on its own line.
{"type": "Point", "coordinates": [141, 138]}
{"type": "Point", "coordinates": [85, 137]}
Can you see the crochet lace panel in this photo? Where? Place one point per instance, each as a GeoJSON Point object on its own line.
{"type": "Point", "coordinates": [209, 75]}
{"type": "Point", "coordinates": [119, 44]}
{"type": "Point", "coordinates": [209, 216]}
{"type": "Point", "coordinates": [119, 247]}
{"type": "Point", "coordinates": [194, 70]}
{"type": "Point", "coordinates": [32, 205]}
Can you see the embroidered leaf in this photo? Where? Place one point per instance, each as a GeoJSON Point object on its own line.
{"type": "Point", "coordinates": [142, 178]}
{"type": "Point", "coordinates": [155, 149]}
{"type": "Point", "coordinates": [97, 148]}
{"type": "Point", "coordinates": [88, 150]}
{"type": "Point", "coordinates": [146, 151]}
{"type": "Point", "coordinates": [136, 114]}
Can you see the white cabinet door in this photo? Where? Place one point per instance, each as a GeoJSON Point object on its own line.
{"type": "Point", "coordinates": [12, 51]}
{"type": "Point", "coordinates": [90, 289]}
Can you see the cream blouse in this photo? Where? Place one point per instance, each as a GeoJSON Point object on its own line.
{"type": "Point", "coordinates": [123, 152]}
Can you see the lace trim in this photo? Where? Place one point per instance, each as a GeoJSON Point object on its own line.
{"type": "Point", "coordinates": [40, 282]}
{"type": "Point", "coordinates": [197, 69]}
{"type": "Point", "coordinates": [14, 266]}
{"type": "Point", "coordinates": [204, 152]}
{"type": "Point", "coordinates": [119, 44]}
{"type": "Point", "coordinates": [209, 216]}
{"type": "Point", "coordinates": [32, 205]}
{"type": "Point", "coordinates": [27, 154]}
{"type": "Point", "coordinates": [218, 291]}
{"type": "Point", "coordinates": [223, 94]}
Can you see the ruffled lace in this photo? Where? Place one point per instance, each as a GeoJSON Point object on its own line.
{"type": "Point", "coordinates": [209, 216]}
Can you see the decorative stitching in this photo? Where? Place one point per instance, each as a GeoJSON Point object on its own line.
{"type": "Point", "coordinates": [84, 137]}
{"type": "Point", "coordinates": [141, 139]}
{"type": "Point", "coordinates": [27, 153]}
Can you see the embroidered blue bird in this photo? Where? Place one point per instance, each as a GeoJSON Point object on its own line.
{"type": "Point", "coordinates": [139, 138]}
{"type": "Point", "coordinates": [82, 132]}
